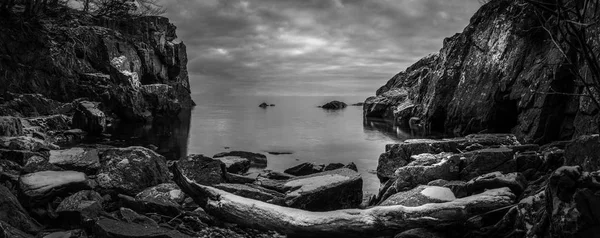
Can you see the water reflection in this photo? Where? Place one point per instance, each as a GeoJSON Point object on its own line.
{"type": "Point", "coordinates": [387, 128]}
{"type": "Point", "coordinates": [170, 136]}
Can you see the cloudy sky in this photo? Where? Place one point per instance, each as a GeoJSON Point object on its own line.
{"type": "Point", "coordinates": [309, 47]}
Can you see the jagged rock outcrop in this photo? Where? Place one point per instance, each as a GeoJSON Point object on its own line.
{"type": "Point", "coordinates": [501, 74]}
{"type": "Point", "coordinates": [136, 68]}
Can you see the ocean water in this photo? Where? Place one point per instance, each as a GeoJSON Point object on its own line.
{"type": "Point", "coordinates": [295, 124]}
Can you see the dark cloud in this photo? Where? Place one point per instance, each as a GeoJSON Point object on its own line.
{"type": "Point", "coordinates": [310, 46]}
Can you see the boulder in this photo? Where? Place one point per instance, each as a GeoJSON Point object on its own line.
{"type": "Point", "coordinates": [202, 170]}
{"type": "Point", "coordinates": [79, 159]}
{"type": "Point", "coordinates": [234, 164]}
{"type": "Point", "coordinates": [334, 105]}
{"type": "Point", "coordinates": [305, 169]}
{"type": "Point", "coordinates": [10, 126]}
{"type": "Point", "coordinates": [80, 207]}
{"type": "Point", "coordinates": [585, 152]}
{"type": "Point", "coordinates": [14, 214]}
{"type": "Point", "coordinates": [163, 199]}
{"type": "Point", "coordinates": [254, 192]}
{"type": "Point", "coordinates": [398, 155]}
{"type": "Point", "coordinates": [479, 162]}
{"type": "Point", "coordinates": [38, 163]}
{"type": "Point", "coordinates": [89, 118]}
{"type": "Point", "coordinates": [26, 143]}
{"type": "Point", "coordinates": [420, 195]}
{"type": "Point", "coordinates": [6, 230]}
{"type": "Point", "coordinates": [131, 170]}
{"type": "Point", "coordinates": [39, 187]}
{"type": "Point", "coordinates": [256, 159]}
{"type": "Point", "coordinates": [108, 228]}
{"type": "Point", "coordinates": [325, 191]}
{"type": "Point", "coordinates": [515, 181]}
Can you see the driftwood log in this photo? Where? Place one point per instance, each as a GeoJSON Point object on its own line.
{"type": "Point", "coordinates": [376, 221]}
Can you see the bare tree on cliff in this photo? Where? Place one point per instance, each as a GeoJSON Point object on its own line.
{"type": "Point", "coordinates": [573, 26]}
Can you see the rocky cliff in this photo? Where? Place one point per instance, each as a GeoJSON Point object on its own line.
{"type": "Point", "coordinates": [501, 74]}
{"type": "Point", "coordinates": [135, 68]}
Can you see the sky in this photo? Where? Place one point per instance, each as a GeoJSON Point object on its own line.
{"type": "Point", "coordinates": [309, 47]}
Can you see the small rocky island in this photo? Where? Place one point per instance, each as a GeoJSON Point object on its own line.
{"type": "Point", "coordinates": [536, 175]}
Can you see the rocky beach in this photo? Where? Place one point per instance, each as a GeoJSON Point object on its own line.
{"type": "Point", "coordinates": [515, 158]}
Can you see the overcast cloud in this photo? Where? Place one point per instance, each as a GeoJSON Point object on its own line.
{"type": "Point", "coordinates": [309, 47]}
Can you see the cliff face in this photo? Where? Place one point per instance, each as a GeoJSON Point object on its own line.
{"type": "Point", "coordinates": [136, 67]}
{"type": "Point", "coordinates": [501, 74]}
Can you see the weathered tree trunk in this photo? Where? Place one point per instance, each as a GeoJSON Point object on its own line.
{"type": "Point", "coordinates": [376, 221]}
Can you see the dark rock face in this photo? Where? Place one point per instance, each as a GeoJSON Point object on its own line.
{"type": "Point", "coordinates": [482, 78]}
{"type": "Point", "coordinates": [202, 170]}
{"type": "Point", "coordinates": [89, 118]}
{"type": "Point", "coordinates": [10, 126]}
{"type": "Point", "coordinates": [334, 105]}
{"type": "Point", "coordinates": [131, 170]}
{"type": "Point", "coordinates": [14, 214]}
{"type": "Point", "coordinates": [585, 152]}
{"type": "Point", "coordinates": [141, 61]}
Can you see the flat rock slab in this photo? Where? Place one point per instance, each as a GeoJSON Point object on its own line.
{"type": "Point", "coordinates": [40, 186]}
{"type": "Point", "coordinates": [256, 159]}
{"type": "Point", "coordinates": [109, 228]}
{"type": "Point", "coordinates": [79, 159]}
{"type": "Point", "coordinates": [254, 192]}
{"type": "Point", "coordinates": [420, 195]}
{"type": "Point", "coordinates": [484, 161]}
{"type": "Point", "coordinates": [325, 191]}
{"type": "Point", "coordinates": [131, 170]}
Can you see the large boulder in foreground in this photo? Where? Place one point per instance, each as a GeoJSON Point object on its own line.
{"type": "Point", "coordinates": [89, 117]}
{"type": "Point", "coordinates": [202, 169]}
{"type": "Point", "coordinates": [14, 214]}
{"type": "Point", "coordinates": [256, 159]}
{"type": "Point", "coordinates": [325, 191]}
{"type": "Point", "coordinates": [420, 195]}
{"type": "Point", "coordinates": [398, 155]}
{"type": "Point", "coordinates": [131, 170]}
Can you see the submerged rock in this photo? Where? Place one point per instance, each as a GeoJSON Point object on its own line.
{"type": "Point", "coordinates": [334, 105]}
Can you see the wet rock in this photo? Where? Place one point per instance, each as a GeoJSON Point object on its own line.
{"type": "Point", "coordinates": [89, 118]}
{"type": "Point", "coordinates": [202, 170]}
{"type": "Point", "coordinates": [38, 163]}
{"type": "Point", "coordinates": [515, 181]}
{"type": "Point", "coordinates": [79, 159]}
{"type": "Point", "coordinates": [163, 199]}
{"type": "Point", "coordinates": [234, 164]}
{"type": "Point", "coordinates": [26, 143]}
{"type": "Point", "coordinates": [109, 228]}
{"type": "Point", "coordinates": [80, 207]}
{"type": "Point", "coordinates": [325, 191]}
{"type": "Point", "coordinates": [254, 192]}
{"type": "Point", "coordinates": [305, 169]}
{"type": "Point", "coordinates": [585, 152]}
{"type": "Point", "coordinates": [398, 155]}
{"type": "Point", "coordinates": [420, 233]}
{"type": "Point", "coordinates": [39, 187]}
{"type": "Point", "coordinates": [334, 105]}
{"type": "Point", "coordinates": [6, 230]}
{"type": "Point", "coordinates": [420, 195]}
{"type": "Point", "coordinates": [484, 161]}
{"type": "Point", "coordinates": [131, 170]}
{"type": "Point", "coordinates": [256, 159]}
{"type": "Point", "coordinates": [14, 214]}
{"type": "Point", "coordinates": [10, 126]}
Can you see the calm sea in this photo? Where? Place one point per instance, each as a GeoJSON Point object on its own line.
{"type": "Point", "coordinates": [295, 124]}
